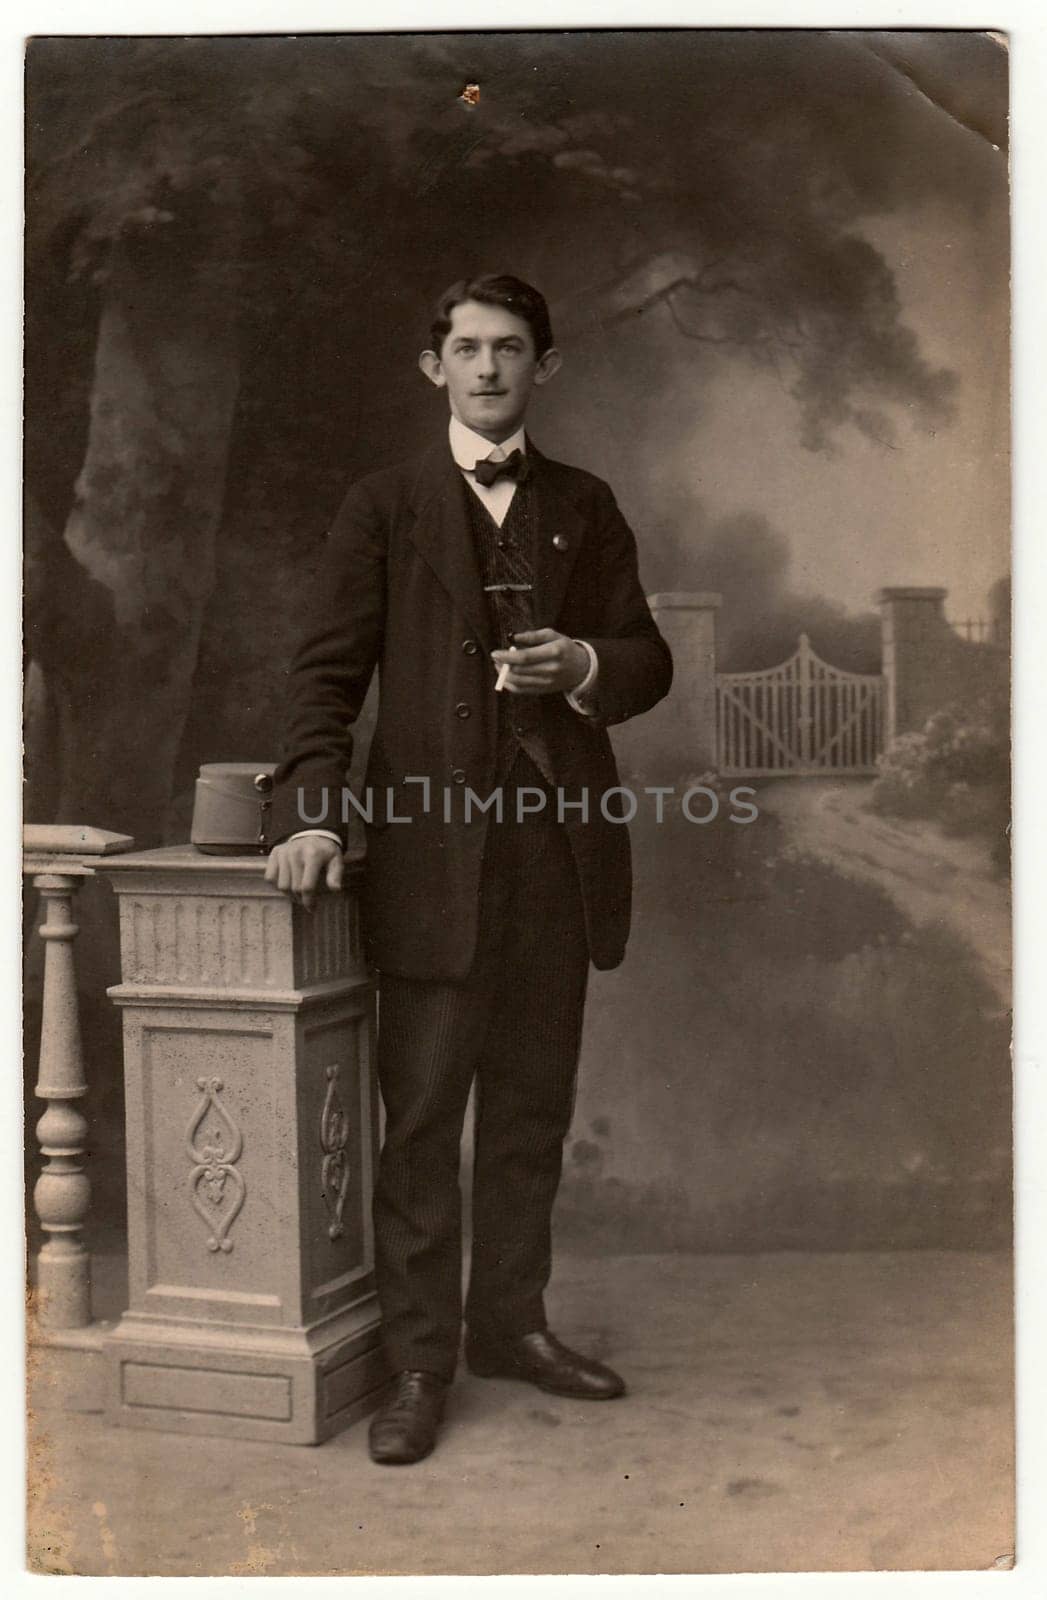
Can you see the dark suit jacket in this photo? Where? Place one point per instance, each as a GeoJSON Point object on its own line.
{"type": "Point", "coordinates": [400, 588]}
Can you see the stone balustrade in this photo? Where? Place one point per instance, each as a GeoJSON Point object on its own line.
{"type": "Point", "coordinates": [58, 860]}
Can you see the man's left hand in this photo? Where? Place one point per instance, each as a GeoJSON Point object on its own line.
{"type": "Point", "coordinates": [543, 662]}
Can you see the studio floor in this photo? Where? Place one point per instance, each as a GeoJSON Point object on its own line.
{"type": "Point", "coordinates": [786, 1413]}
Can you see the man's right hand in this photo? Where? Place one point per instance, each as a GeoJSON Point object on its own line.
{"type": "Point", "coordinates": [298, 866]}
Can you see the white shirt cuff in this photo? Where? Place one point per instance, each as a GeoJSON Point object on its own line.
{"type": "Point", "coordinates": [574, 698]}
{"type": "Point", "coordinates": [314, 833]}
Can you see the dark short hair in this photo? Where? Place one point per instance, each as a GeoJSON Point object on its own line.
{"type": "Point", "coordinates": [496, 289]}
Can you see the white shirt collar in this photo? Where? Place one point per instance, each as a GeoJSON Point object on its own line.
{"type": "Point", "coordinates": [468, 447]}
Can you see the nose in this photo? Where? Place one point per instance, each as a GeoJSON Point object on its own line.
{"type": "Point", "coordinates": [488, 362]}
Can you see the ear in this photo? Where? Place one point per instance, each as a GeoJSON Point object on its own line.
{"type": "Point", "coordinates": [548, 366]}
{"type": "Point", "coordinates": [430, 364]}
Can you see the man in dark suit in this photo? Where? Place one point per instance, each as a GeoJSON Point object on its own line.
{"type": "Point", "coordinates": [497, 593]}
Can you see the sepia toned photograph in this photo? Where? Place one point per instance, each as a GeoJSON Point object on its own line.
{"type": "Point", "coordinates": [517, 804]}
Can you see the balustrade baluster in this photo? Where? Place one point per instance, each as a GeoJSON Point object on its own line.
{"type": "Point", "coordinates": [58, 859]}
{"type": "Point", "coordinates": [63, 1190]}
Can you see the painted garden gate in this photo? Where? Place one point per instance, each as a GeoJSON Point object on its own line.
{"type": "Point", "coordinates": [803, 716]}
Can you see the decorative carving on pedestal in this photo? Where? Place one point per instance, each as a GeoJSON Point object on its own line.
{"type": "Point", "coordinates": [216, 1189]}
{"type": "Point", "coordinates": [334, 1137]}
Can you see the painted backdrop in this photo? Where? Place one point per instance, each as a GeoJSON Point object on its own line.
{"type": "Point", "coordinates": [777, 265]}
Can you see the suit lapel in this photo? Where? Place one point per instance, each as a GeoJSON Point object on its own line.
{"type": "Point", "coordinates": [442, 533]}
{"type": "Point", "coordinates": [559, 531]}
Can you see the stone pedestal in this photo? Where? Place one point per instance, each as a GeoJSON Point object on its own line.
{"type": "Point", "coordinates": [251, 1141]}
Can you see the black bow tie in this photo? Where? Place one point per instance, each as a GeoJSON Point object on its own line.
{"type": "Point", "coordinates": [514, 466]}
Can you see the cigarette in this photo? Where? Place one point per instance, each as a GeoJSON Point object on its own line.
{"type": "Point", "coordinates": [503, 672]}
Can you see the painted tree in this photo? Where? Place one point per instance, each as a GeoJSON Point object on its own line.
{"type": "Point", "coordinates": [183, 179]}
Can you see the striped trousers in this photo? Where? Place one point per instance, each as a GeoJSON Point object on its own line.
{"type": "Point", "coordinates": [514, 1025]}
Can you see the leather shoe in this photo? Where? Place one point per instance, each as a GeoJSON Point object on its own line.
{"type": "Point", "coordinates": [541, 1359]}
{"type": "Point", "coordinates": [404, 1430]}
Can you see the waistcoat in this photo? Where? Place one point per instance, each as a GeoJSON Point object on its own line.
{"type": "Point", "coordinates": [506, 555]}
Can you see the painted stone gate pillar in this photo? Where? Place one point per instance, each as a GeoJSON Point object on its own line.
{"type": "Point", "coordinates": [251, 1139]}
{"type": "Point", "coordinates": [677, 738]}
{"type": "Point", "coordinates": [916, 642]}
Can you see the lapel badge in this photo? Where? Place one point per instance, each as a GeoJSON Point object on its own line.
{"type": "Point", "coordinates": [559, 542]}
